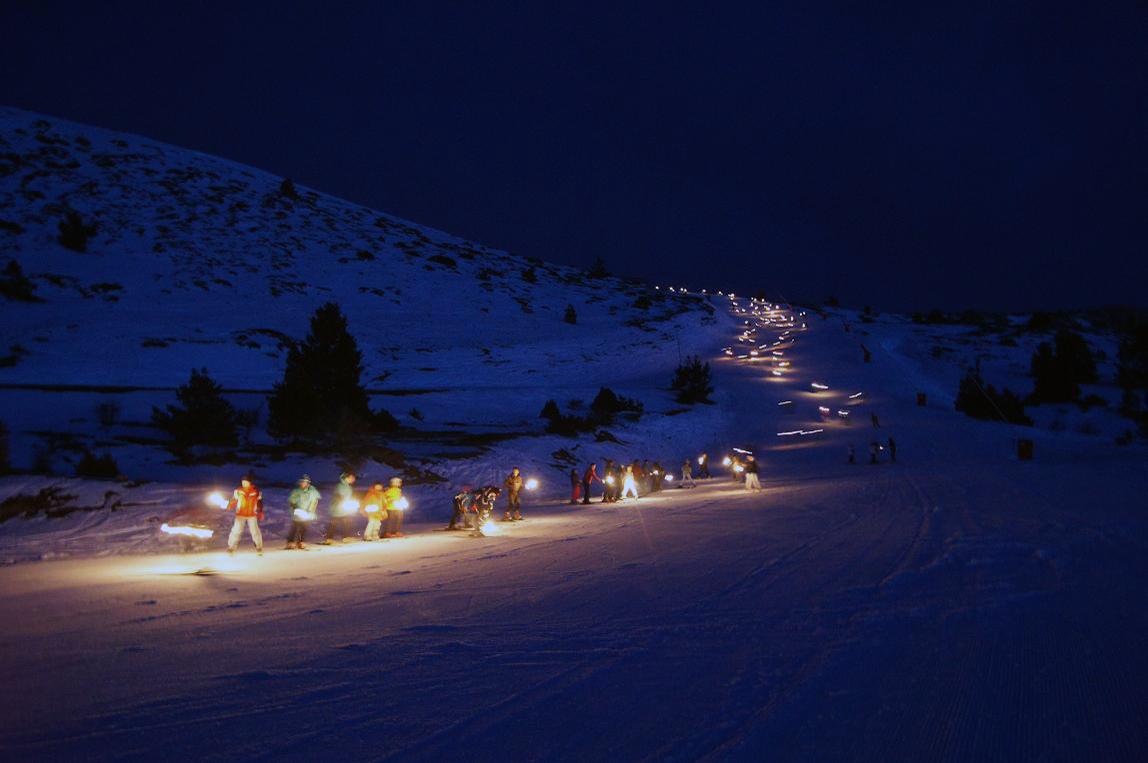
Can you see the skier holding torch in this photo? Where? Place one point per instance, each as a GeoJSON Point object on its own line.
{"type": "Point", "coordinates": [343, 506]}
{"type": "Point", "coordinates": [373, 503]}
{"type": "Point", "coordinates": [248, 504]}
{"type": "Point", "coordinates": [395, 507]}
{"type": "Point", "coordinates": [513, 484]}
{"type": "Point", "coordinates": [304, 504]}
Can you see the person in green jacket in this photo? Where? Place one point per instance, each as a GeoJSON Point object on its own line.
{"type": "Point", "coordinates": [304, 505]}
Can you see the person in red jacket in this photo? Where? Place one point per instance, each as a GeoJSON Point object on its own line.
{"type": "Point", "coordinates": [588, 478]}
{"type": "Point", "coordinates": [248, 504]}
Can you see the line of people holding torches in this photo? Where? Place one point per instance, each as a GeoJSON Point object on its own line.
{"type": "Point", "coordinates": [384, 506]}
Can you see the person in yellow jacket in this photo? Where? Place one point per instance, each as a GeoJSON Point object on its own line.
{"type": "Point", "coordinates": [394, 507]}
{"type": "Point", "coordinates": [374, 503]}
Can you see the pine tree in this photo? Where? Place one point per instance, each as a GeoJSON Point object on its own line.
{"type": "Point", "coordinates": [571, 315]}
{"type": "Point", "coordinates": [598, 270]}
{"type": "Point", "coordinates": [692, 381]}
{"type": "Point", "coordinates": [287, 189]}
{"type": "Point", "coordinates": [550, 411]}
{"type": "Point", "coordinates": [1059, 370]}
{"type": "Point", "coordinates": [321, 395]}
{"type": "Point", "coordinates": [202, 417]}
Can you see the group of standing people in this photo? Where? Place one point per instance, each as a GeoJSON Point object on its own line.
{"type": "Point", "coordinates": [383, 507]}
{"type": "Point", "coordinates": [875, 449]}
{"type": "Point", "coordinates": [620, 481]}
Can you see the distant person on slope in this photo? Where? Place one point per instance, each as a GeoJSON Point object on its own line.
{"type": "Point", "coordinates": [575, 486]}
{"type": "Point", "coordinates": [304, 505]}
{"type": "Point", "coordinates": [396, 507]}
{"type": "Point", "coordinates": [892, 450]}
{"type": "Point", "coordinates": [341, 509]}
{"type": "Point", "coordinates": [874, 449]}
{"type": "Point", "coordinates": [659, 477]}
{"type": "Point", "coordinates": [687, 474]}
{"type": "Point", "coordinates": [751, 480]}
{"type": "Point", "coordinates": [588, 478]}
{"type": "Point", "coordinates": [248, 504]}
{"type": "Point", "coordinates": [852, 454]}
{"type": "Point", "coordinates": [373, 509]}
{"type": "Point", "coordinates": [704, 466]}
{"type": "Point", "coordinates": [513, 484]}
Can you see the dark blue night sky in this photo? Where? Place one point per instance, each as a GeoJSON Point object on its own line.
{"type": "Point", "coordinates": [904, 155]}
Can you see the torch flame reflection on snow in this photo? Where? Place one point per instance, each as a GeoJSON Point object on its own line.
{"type": "Point", "coordinates": [194, 532]}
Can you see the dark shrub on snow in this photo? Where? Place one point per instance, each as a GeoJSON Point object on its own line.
{"type": "Point", "coordinates": [5, 464]}
{"type": "Point", "coordinates": [571, 316]}
{"type": "Point", "coordinates": [97, 467]}
{"type": "Point", "coordinates": [982, 401]}
{"type": "Point", "coordinates": [74, 233]}
{"type": "Point", "coordinates": [14, 285]}
{"type": "Point", "coordinates": [607, 403]}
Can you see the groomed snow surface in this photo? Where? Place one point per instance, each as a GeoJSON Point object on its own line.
{"type": "Point", "coordinates": [957, 605]}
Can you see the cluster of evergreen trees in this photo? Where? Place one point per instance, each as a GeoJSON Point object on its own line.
{"type": "Point", "coordinates": [321, 401]}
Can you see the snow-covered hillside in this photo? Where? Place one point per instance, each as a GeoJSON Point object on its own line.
{"type": "Point", "coordinates": [196, 261]}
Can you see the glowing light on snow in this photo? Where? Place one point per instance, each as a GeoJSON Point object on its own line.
{"type": "Point", "coordinates": [786, 402]}
{"type": "Point", "coordinates": [823, 410]}
{"type": "Point", "coordinates": [305, 515]}
{"type": "Point", "coordinates": [531, 484]}
{"type": "Point", "coordinates": [402, 504]}
{"type": "Point", "coordinates": [193, 532]}
{"type": "Point", "coordinates": [348, 506]}
{"type": "Point", "coordinates": [799, 432]}
{"type": "Point", "coordinates": [701, 459]}
{"type": "Point", "coordinates": [610, 480]}
{"type": "Point", "coordinates": [669, 477]}
{"type": "Point", "coordinates": [726, 461]}
{"type": "Point", "coordinates": [745, 452]}
{"type": "Point", "coordinates": [490, 528]}
{"type": "Point", "coordinates": [843, 413]}
{"type": "Point", "coordinates": [217, 500]}
{"type": "Point", "coordinates": [775, 372]}
{"type": "Point", "coordinates": [819, 386]}
{"type": "Point", "coordinates": [855, 396]}
{"type": "Point", "coordinates": [371, 508]}
{"type": "Point", "coordinates": [738, 468]}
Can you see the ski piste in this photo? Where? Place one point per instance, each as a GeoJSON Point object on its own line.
{"type": "Point", "coordinates": [958, 605]}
